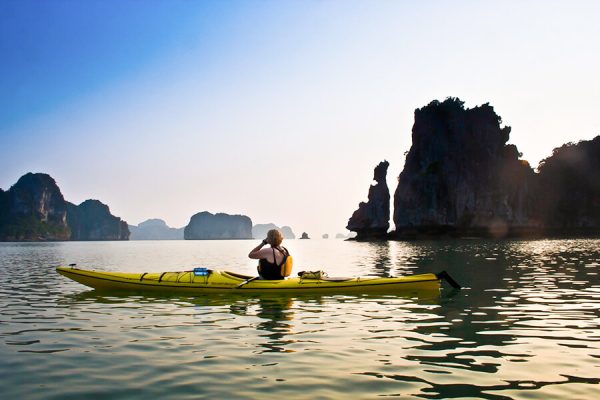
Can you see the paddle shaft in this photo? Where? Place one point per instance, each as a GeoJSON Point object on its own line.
{"type": "Point", "coordinates": [247, 281]}
{"type": "Point", "coordinates": [446, 276]}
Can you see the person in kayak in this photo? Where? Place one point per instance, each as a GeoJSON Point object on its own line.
{"type": "Point", "coordinates": [274, 263]}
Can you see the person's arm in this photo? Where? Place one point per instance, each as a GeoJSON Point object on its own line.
{"type": "Point", "coordinates": [258, 252]}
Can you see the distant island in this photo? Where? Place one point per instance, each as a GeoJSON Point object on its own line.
{"type": "Point", "coordinates": [461, 178]}
{"type": "Point", "coordinates": [207, 226]}
{"type": "Point", "coordinates": [351, 235]}
{"type": "Point", "coordinates": [155, 229]}
{"type": "Point", "coordinates": [259, 231]}
{"type": "Point", "coordinates": [34, 209]}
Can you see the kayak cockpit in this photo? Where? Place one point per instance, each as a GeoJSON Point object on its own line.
{"type": "Point", "coordinates": [234, 275]}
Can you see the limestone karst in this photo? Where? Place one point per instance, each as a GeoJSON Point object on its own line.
{"type": "Point", "coordinates": [34, 209]}
{"type": "Point", "coordinates": [207, 226]}
{"type": "Point", "coordinates": [372, 219]}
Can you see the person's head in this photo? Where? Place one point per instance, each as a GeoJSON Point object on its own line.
{"type": "Point", "coordinates": [274, 237]}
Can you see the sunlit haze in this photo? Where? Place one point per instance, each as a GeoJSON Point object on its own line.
{"type": "Point", "coordinates": [278, 110]}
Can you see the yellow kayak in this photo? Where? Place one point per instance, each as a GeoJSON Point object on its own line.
{"type": "Point", "coordinates": [214, 281]}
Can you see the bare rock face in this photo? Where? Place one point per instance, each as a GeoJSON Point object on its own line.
{"type": "Point", "coordinates": [207, 226]}
{"type": "Point", "coordinates": [33, 209]}
{"type": "Point", "coordinates": [92, 220]}
{"type": "Point", "coordinates": [568, 200]}
{"type": "Point", "coordinates": [372, 219]}
{"type": "Point", "coordinates": [460, 176]}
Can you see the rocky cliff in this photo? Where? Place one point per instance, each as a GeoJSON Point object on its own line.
{"type": "Point", "coordinates": [92, 220]}
{"type": "Point", "coordinates": [259, 231]}
{"type": "Point", "coordinates": [568, 198]}
{"type": "Point", "coordinates": [206, 226]}
{"type": "Point", "coordinates": [33, 209]}
{"type": "Point", "coordinates": [372, 219]}
{"type": "Point", "coordinates": [461, 176]}
{"type": "Point", "coordinates": [154, 229]}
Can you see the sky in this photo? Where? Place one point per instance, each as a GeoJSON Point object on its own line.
{"type": "Point", "coordinates": [278, 110]}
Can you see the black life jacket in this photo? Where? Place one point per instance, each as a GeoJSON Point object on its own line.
{"type": "Point", "coordinates": [273, 270]}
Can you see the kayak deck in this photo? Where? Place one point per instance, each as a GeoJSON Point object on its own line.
{"type": "Point", "coordinates": [224, 281]}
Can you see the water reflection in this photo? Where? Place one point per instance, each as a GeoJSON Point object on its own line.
{"type": "Point", "coordinates": [505, 391]}
{"type": "Point", "coordinates": [272, 315]}
{"type": "Point", "coordinates": [382, 258]}
{"type": "Point", "coordinates": [276, 316]}
{"type": "Point", "coordinates": [518, 294]}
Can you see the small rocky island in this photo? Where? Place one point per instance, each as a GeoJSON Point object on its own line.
{"type": "Point", "coordinates": [207, 226]}
{"type": "Point", "coordinates": [372, 219]}
{"type": "Point", "coordinates": [34, 209]}
{"type": "Point", "coordinates": [462, 178]}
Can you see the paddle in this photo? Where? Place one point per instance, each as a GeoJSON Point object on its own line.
{"type": "Point", "coordinates": [247, 281]}
{"type": "Point", "coordinates": [446, 276]}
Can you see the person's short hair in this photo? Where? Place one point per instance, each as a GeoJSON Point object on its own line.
{"type": "Point", "coordinates": [274, 237]}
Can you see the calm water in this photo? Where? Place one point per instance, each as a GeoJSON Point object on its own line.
{"type": "Point", "coordinates": [527, 325]}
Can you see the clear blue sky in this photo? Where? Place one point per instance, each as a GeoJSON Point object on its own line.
{"type": "Point", "coordinates": [274, 109]}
